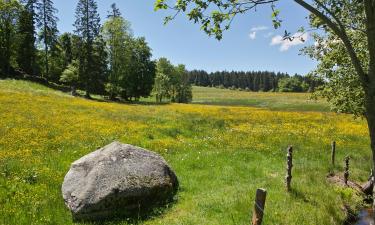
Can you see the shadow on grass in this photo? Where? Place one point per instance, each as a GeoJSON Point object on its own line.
{"type": "Point", "coordinates": [134, 217]}
{"type": "Point", "coordinates": [121, 101]}
{"type": "Point", "coordinates": [67, 90]}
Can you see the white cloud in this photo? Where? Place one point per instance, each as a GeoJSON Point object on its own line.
{"type": "Point", "coordinates": [255, 30]}
{"type": "Point", "coordinates": [285, 44]}
{"type": "Point", "coordinates": [253, 35]}
{"type": "Point", "coordinates": [259, 28]}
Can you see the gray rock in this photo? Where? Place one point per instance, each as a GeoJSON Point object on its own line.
{"type": "Point", "coordinates": [117, 180]}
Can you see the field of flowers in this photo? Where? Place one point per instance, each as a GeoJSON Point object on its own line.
{"type": "Point", "coordinates": [221, 154]}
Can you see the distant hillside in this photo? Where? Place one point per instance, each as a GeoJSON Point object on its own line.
{"type": "Point", "coordinates": [252, 80]}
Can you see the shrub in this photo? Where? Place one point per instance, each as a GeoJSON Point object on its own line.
{"type": "Point", "coordinates": [290, 84]}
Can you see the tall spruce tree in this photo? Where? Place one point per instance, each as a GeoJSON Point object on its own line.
{"type": "Point", "coordinates": [115, 12]}
{"type": "Point", "coordinates": [47, 22]}
{"type": "Point", "coordinates": [87, 26]}
{"type": "Point", "coordinates": [26, 51]}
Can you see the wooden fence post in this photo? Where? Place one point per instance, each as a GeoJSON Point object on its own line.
{"type": "Point", "coordinates": [289, 166]}
{"type": "Point", "coordinates": [260, 201]}
{"type": "Point", "coordinates": [333, 153]}
{"type": "Point", "coordinates": [346, 173]}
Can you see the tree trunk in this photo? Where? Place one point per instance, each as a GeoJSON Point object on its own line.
{"type": "Point", "coordinates": [112, 96]}
{"type": "Point", "coordinates": [370, 116]}
{"type": "Point", "coordinates": [73, 90]}
{"type": "Point", "coordinates": [160, 98]}
{"type": "Point", "coordinates": [369, 85]}
{"type": "Point", "coordinates": [87, 95]}
{"type": "Point", "coordinates": [371, 126]}
{"type": "Point", "coordinates": [45, 40]}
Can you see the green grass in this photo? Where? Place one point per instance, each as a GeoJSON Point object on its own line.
{"type": "Point", "coordinates": [220, 153]}
{"type": "Point", "coordinates": [269, 100]}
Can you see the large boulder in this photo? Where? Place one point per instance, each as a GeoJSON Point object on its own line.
{"type": "Point", "coordinates": [117, 180]}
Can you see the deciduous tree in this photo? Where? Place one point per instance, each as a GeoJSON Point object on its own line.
{"type": "Point", "coordinates": [70, 76]}
{"type": "Point", "coordinates": [343, 88]}
{"type": "Point", "coordinates": [115, 31]}
{"type": "Point", "coordinates": [164, 71]}
{"type": "Point", "coordinates": [9, 11]}
{"type": "Point", "coordinates": [141, 74]}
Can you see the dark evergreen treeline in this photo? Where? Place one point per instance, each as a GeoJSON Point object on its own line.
{"type": "Point", "coordinates": [97, 58]}
{"type": "Point", "coordinates": [253, 80]}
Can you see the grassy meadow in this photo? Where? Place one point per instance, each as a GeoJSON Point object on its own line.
{"type": "Point", "coordinates": [269, 100]}
{"type": "Point", "coordinates": [222, 147]}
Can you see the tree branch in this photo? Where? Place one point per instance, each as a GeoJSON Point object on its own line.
{"type": "Point", "coordinates": [343, 36]}
{"type": "Point", "coordinates": [340, 25]}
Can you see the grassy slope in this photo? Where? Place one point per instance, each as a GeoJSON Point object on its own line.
{"type": "Point", "coordinates": [221, 154]}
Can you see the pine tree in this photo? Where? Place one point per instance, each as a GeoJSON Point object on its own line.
{"type": "Point", "coordinates": [26, 51]}
{"type": "Point", "coordinates": [47, 23]}
{"type": "Point", "coordinates": [115, 12]}
{"type": "Point", "coordinates": [87, 26]}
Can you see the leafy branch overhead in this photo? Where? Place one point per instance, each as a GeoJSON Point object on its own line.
{"type": "Point", "coordinates": [215, 16]}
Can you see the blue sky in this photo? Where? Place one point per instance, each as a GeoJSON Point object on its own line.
{"type": "Point", "coordinates": [251, 44]}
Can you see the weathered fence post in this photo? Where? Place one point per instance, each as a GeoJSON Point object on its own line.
{"type": "Point", "coordinates": [333, 153]}
{"type": "Point", "coordinates": [260, 201]}
{"type": "Point", "coordinates": [346, 173]}
{"type": "Point", "coordinates": [289, 166]}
